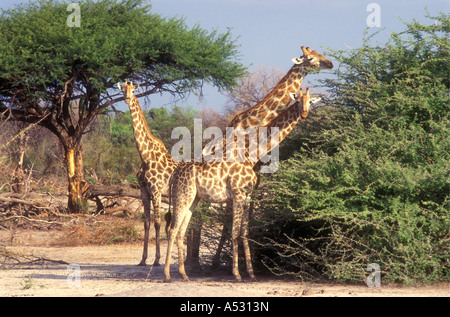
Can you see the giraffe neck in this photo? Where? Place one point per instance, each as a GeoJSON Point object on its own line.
{"type": "Point", "coordinates": [146, 143]}
{"type": "Point", "coordinates": [273, 111]}
{"type": "Point", "coordinates": [285, 122]}
{"type": "Point", "coordinates": [274, 103]}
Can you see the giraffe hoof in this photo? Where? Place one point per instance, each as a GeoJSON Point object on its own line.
{"type": "Point", "coordinates": [142, 263]}
{"type": "Point", "coordinates": [237, 279]}
{"type": "Point", "coordinates": [156, 264]}
{"type": "Point", "coordinates": [167, 280]}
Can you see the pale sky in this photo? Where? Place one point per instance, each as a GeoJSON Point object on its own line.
{"type": "Point", "coordinates": [270, 32]}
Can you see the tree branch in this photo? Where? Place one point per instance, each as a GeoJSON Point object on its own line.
{"type": "Point", "coordinates": [12, 198]}
{"type": "Point", "coordinates": [113, 190]}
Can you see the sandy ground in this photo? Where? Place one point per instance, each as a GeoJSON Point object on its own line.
{"type": "Point", "coordinates": [112, 271]}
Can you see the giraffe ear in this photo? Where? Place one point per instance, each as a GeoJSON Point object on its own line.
{"type": "Point", "coordinates": [118, 85]}
{"type": "Point", "coordinates": [297, 60]}
{"type": "Point", "coordinates": [315, 100]}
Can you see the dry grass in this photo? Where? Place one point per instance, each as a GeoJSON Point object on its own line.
{"type": "Point", "coordinates": [100, 231]}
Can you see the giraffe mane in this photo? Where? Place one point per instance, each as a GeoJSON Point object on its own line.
{"type": "Point", "coordinates": [146, 128]}
{"type": "Point", "coordinates": [269, 95]}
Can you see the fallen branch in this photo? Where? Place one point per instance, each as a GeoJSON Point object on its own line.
{"type": "Point", "coordinates": [32, 220]}
{"type": "Point", "coordinates": [113, 190]}
{"type": "Point", "coordinates": [12, 198]}
{"type": "Point", "coordinates": [117, 191]}
{"type": "Point", "coordinates": [11, 258]}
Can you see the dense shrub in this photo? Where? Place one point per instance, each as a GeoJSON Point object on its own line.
{"type": "Point", "coordinates": [372, 186]}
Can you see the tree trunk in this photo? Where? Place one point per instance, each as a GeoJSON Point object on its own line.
{"type": "Point", "coordinates": [77, 202]}
{"type": "Point", "coordinates": [19, 172]}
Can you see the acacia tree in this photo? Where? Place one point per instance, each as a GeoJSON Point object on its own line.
{"type": "Point", "coordinates": [61, 76]}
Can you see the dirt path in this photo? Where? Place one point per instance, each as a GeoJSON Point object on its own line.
{"type": "Point", "coordinates": [112, 271]}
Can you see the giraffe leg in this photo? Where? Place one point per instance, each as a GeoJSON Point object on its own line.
{"type": "Point", "coordinates": [173, 232]}
{"type": "Point", "coordinates": [183, 195]}
{"type": "Point", "coordinates": [180, 239]}
{"type": "Point", "coordinates": [145, 196]}
{"type": "Point", "coordinates": [235, 233]}
{"type": "Point", "coordinates": [244, 235]}
{"type": "Point", "coordinates": [157, 210]}
{"type": "Point", "coordinates": [223, 238]}
{"type": "Point", "coordinates": [180, 244]}
{"type": "Point", "coordinates": [146, 234]}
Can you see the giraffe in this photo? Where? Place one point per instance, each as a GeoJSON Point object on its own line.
{"type": "Point", "coordinates": [216, 182]}
{"type": "Point", "coordinates": [155, 171]}
{"type": "Point", "coordinates": [288, 119]}
{"type": "Point", "coordinates": [275, 102]}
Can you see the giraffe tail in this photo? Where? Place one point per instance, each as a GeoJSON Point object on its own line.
{"type": "Point", "coordinates": [168, 215]}
{"type": "Point", "coordinates": [168, 218]}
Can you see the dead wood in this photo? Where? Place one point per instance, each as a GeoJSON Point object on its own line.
{"type": "Point", "coordinates": [118, 191]}
{"type": "Point", "coordinates": [97, 190]}
{"type": "Point", "coordinates": [9, 258]}
{"type": "Point", "coordinates": [19, 199]}
{"type": "Point", "coordinates": [113, 190]}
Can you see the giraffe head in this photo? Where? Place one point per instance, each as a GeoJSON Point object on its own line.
{"type": "Point", "coordinates": [312, 60]}
{"type": "Point", "coordinates": [127, 90]}
{"type": "Point", "coordinates": [304, 102]}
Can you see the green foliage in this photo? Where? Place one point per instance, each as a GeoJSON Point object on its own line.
{"type": "Point", "coordinates": [374, 185]}
{"type": "Point", "coordinates": [63, 77]}
{"type": "Point", "coordinates": [121, 129]}
{"type": "Point", "coordinates": [162, 121]}
{"type": "Point", "coordinates": [110, 150]}
{"type": "Point", "coordinates": [116, 39]}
